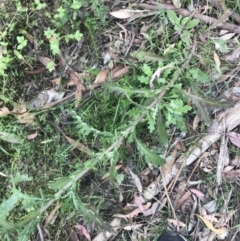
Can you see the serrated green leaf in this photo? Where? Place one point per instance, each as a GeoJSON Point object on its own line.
{"type": "Point", "coordinates": [144, 79]}
{"type": "Point", "coordinates": [8, 205]}
{"type": "Point", "coordinates": [149, 155]}
{"type": "Point", "coordinates": [192, 23]}
{"type": "Point", "coordinates": [21, 178]}
{"type": "Point", "coordinates": [58, 184]}
{"type": "Point", "coordinates": [147, 70]}
{"type": "Point", "coordinates": [173, 17]}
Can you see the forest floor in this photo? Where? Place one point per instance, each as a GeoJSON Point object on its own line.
{"type": "Point", "coordinates": [119, 120]}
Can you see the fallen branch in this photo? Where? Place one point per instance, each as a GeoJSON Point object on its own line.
{"type": "Point", "coordinates": [181, 11]}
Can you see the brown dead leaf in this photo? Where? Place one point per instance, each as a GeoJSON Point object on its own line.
{"type": "Point", "coordinates": [210, 226]}
{"type": "Point", "coordinates": [134, 213]}
{"type": "Point", "coordinates": [52, 214]}
{"type": "Point", "coordinates": [196, 121]}
{"type": "Point", "coordinates": [101, 76]}
{"type": "Point", "coordinates": [45, 61]}
{"type": "Point", "coordinates": [78, 145]}
{"type": "Point", "coordinates": [155, 207]}
{"type": "Point", "coordinates": [217, 59]}
{"type": "Point", "coordinates": [3, 174]}
{"type": "Point", "coordinates": [56, 81]}
{"type": "Point", "coordinates": [32, 136]}
{"type": "Point", "coordinates": [36, 71]}
{"type": "Point", "coordinates": [138, 202]}
{"type": "Point", "coordinates": [76, 80]}
{"type": "Point", "coordinates": [166, 169]}
{"type": "Point", "coordinates": [157, 74]}
{"type": "Point", "coordinates": [20, 107]}
{"type": "Point", "coordinates": [25, 118]}
{"type": "Point", "coordinates": [4, 111]}
{"type": "Point", "coordinates": [176, 223]}
{"type": "Point", "coordinates": [132, 227]}
{"type": "Point", "coordinates": [122, 14]}
{"type": "Point", "coordinates": [184, 197]}
{"type": "Point", "coordinates": [83, 231]}
{"type": "Point", "coordinates": [136, 180]}
{"type": "Point", "coordinates": [177, 3]}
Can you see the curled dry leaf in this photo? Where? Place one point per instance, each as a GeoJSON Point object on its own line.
{"type": "Point", "coordinates": [36, 71]}
{"type": "Point", "coordinates": [83, 231]}
{"type": "Point", "coordinates": [32, 136]}
{"type": "Point", "coordinates": [3, 174]}
{"type": "Point", "coordinates": [155, 207]}
{"type": "Point", "coordinates": [133, 227]}
{"type": "Point", "coordinates": [101, 76]}
{"type": "Point", "coordinates": [138, 202]}
{"type": "Point", "coordinates": [166, 169]}
{"type": "Point", "coordinates": [184, 197]}
{"type": "Point", "coordinates": [157, 74]}
{"type": "Point", "coordinates": [217, 59]}
{"type": "Point", "coordinates": [76, 80]}
{"type": "Point", "coordinates": [176, 223]}
{"type": "Point", "coordinates": [4, 111]}
{"type": "Point", "coordinates": [78, 145]}
{"type": "Point", "coordinates": [196, 121]}
{"type": "Point", "coordinates": [177, 3]}
{"type": "Point", "coordinates": [234, 138]}
{"type": "Point", "coordinates": [197, 193]}
{"type": "Point", "coordinates": [44, 98]}
{"type": "Point", "coordinates": [134, 213]}
{"type": "Point", "coordinates": [122, 14]}
{"type": "Point", "coordinates": [210, 226]}
{"type": "Point", "coordinates": [136, 180]}
{"type": "Point", "coordinates": [45, 61]}
{"type": "Point", "coordinates": [210, 207]}
{"type": "Point", "coordinates": [52, 214]}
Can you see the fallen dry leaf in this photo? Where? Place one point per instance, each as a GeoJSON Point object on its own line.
{"type": "Point", "coordinates": [45, 61]}
{"type": "Point", "coordinates": [176, 223]}
{"type": "Point", "coordinates": [52, 214]}
{"type": "Point", "coordinates": [197, 193]}
{"type": "Point", "coordinates": [80, 87]}
{"type": "Point", "coordinates": [25, 118]}
{"type": "Point", "coordinates": [3, 174]}
{"type": "Point", "coordinates": [157, 206]}
{"type": "Point", "coordinates": [32, 136]}
{"type": "Point", "coordinates": [210, 226]}
{"type": "Point", "coordinates": [136, 180]}
{"type": "Point", "coordinates": [157, 74]}
{"type": "Point", "coordinates": [36, 71]}
{"type": "Point", "coordinates": [234, 138]}
{"type": "Point", "coordinates": [78, 145]}
{"type": "Point", "coordinates": [184, 197]}
{"type": "Point", "coordinates": [217, 60]}
{"type": "Point", "coordinates": [132, 227]}
{"type": "Point", "coordinates": [83, 231]}
{"type": "Point", "coordinates": [177, 3]}
{"type": "Point", "coordinates": [138, 202]}
{"type": "Point", "coordinates": [166, 169]}
{"type": "Point", "coordinates": [122, 14]}
{"type": "Point", "coordinates": [4, 111]}
{"type": "Point", "coordinates": [196, 121]}
{"type": "Point", "coordinates": [101, 76]}
{"type": "Point", "coordinates": [134, 213]}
